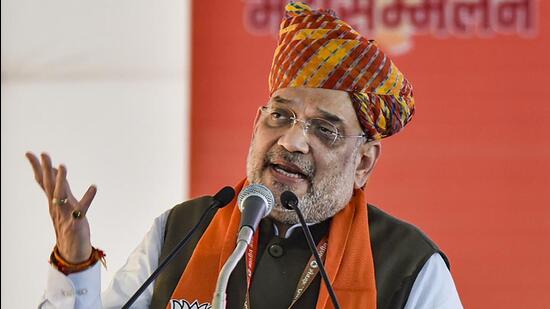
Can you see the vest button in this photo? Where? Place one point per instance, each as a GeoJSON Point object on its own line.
{"type": "Point", "coordinates": [276, 250]}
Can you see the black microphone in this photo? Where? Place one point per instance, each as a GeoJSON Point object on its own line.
{"type": "Point", "coordinates": [289, 201]}
{"type": "Point", "coordinates": [221, 199]}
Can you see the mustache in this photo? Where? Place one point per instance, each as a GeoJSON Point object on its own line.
{"type": "Point", "coordinates": [305, 164]}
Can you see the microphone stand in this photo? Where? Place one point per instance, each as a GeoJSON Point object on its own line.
{"type": "Point", "coordinates": [255, 202]}
{"type": "Point", "coordinates": [244, 238]}
{"type": "Point", "coordinates": [290, 201]}
{"type": "Point", "coordinates": [154, 275]}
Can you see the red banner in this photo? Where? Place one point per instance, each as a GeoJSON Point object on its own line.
{"type": "Point", "coordinates": [473, 167]}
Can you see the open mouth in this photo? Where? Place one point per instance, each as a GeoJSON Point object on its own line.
{"type": "Point", "coordinates": [289, 170]}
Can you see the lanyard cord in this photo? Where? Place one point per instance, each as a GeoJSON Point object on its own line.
{"type": "Point", "coordinates": [310, 270]}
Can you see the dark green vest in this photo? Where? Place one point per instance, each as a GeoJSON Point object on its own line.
{"type": "Point", "coordinates": [399, 251]}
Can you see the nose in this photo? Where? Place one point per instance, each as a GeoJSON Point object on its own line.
{"type": "Point", "coordinates": [295, 139]}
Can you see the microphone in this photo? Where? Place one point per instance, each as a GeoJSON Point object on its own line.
{"type": "Point", "coordinates": [221, 199]}
{"type": "Point", "coordinates": [289, 201]}
{"type": "Point", "coordinates": [255, 202]}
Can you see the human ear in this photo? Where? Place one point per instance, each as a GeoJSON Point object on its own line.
{"type": "Point", "coordinates": [256, 120]}
{"type": "Point", "coordinates": [258, 114]}
{"type": "Point", "coordinates": [366, 160]}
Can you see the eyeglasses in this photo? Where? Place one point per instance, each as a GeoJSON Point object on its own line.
{"type": "Point", "coordinates": [323, 130]}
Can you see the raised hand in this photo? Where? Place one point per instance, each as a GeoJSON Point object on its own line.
{"type": "Point", "coordinates": [68, 214]}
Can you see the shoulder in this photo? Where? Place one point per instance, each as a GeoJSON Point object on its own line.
{"type": "Point", "coordinates": [193, 205]}
{"type": "Point", "coordinates": [190, 209]}
{"type": "Point", "coordinates": [182, 217]}
{"type": "Point", "coordinates": [434, 287]}
{"type": "Point", "coordinates": [400, 250]}
{"type": "Point", "coordinates": [389, 231]}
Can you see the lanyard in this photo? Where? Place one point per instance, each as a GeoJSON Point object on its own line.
{"type": "Point", "coordinates": [310, 271]}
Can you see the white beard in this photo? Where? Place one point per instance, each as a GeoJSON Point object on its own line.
{"type": "Point", "coordinates": [325, 196]}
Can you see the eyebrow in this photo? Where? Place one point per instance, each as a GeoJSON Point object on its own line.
{"type": "Point", "coordinates": [331, 117]}
{"type": "Point", "coordinates": [324, 114]}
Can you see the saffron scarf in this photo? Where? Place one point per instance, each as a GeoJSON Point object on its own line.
{"type": "Point", "coordinates": [349, 262]}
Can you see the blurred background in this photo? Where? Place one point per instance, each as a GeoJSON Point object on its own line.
{"type": "Point", "coordinates": [154, 102]}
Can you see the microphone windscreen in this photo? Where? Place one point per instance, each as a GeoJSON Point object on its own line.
{"type": "Point", "coordinates": [224, 196]}
{"type": "Point", "coordinates": [289, 200]}
{"type": "Point", "coordinates": [259, 191]}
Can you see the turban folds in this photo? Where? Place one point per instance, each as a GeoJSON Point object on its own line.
{"type": "Point", "coordinates": [318, 50]}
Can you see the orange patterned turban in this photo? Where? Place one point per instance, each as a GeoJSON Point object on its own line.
{"type": "Point", "coordinates": [318, 50]}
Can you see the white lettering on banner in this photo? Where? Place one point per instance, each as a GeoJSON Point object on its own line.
{"type": "Point", "coordinates": [393, 22]}
{"type": "Point", "coordinates": [184, 304]}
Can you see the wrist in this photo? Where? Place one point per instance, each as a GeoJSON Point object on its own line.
{"type": "Point", "coordinates": [67, 267]}
{"type": "Point", "coordinates": [74, 256]}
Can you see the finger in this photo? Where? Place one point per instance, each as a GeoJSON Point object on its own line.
{"type": "Point", "coordinates": [47, 173]}
{"type": "Point", "coordinates": [63, 197]}
{"type": "Point", "coordinates": [36, 168]}
{"type": "Point", "coordinates": [70, 196]}
{"type": "Point", "coordinates": [86, 200]}
{"type": "Point", "coordinates": [59, 190]}
{"type": "Point", "coordinates": [68, 193]}
{"type": "Point", "coordinates": [54, 175]}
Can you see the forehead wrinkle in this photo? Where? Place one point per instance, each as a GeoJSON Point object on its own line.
{"type": "Point", "coordinates": [280, 99]}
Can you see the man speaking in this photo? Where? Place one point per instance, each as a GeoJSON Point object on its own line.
{"type": "Point", "coordinates": [333, 96]}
